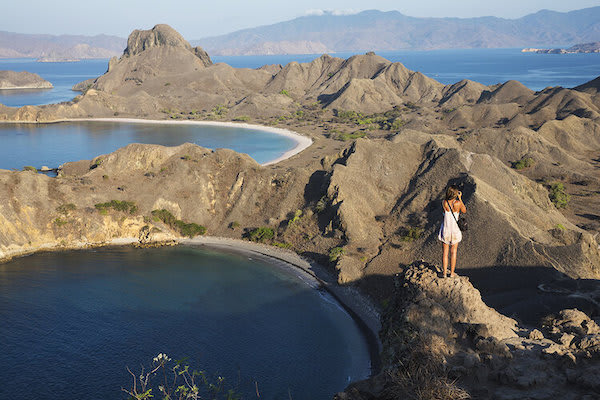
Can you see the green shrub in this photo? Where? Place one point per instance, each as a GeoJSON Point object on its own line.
{"type": "Point", "coordinates": [411, 234]}
{"type": "Point", "coordinates": [295, 218]}
{"type": "Point", "coordinates": [335, 253]}
{"type": "Point", "coordinates": [190, 229]}
{"type": "Point", "coordinates": [184, 228]}
{"type": "Point", "coordinates": [220, 110]}
{"type": "Point", "coordinates": [561, 227]}
{"type": "Point", "coordinates": [523, 163]}
{"type": "Point", "coordinates": [261, 234]}
{"type": "Point", "coordinates": [66, 208]}
{"type": "Point", "coordinates": [117, 205]}
{"type": "Point", "coordinates": [177, 380]}
{"type": "Point", "coordinates": [282, 245]}
{"type": "Point", "coordinates": [321, 205]}
{"type": "Point", "coordinates": [285, 92]}
{"type": "Point", "coordinates": [234, 225]}
{"type": "Point", "coordinates": [346, 116]}
{"type": "Point", "coordinates": [60, 221]}
{"type": "Point", "coordinates": [242, 118]}
{"type": "Point", "coordinates": [397, 124]}
{"type": "Point", "coordinates": [558, 195]}
{"type": "Point", "coordinates": [29, 168]}
{"type": "Point", "coordinates": [350, 136]}
{"type": "Point", "coordinates": [97, 162]}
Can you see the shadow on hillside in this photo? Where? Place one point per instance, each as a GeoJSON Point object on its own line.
{"type": "Point", "coordinates": [528, 294]}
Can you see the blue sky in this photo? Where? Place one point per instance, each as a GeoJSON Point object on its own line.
{"type": "Point", "coordinates": [199, 18]}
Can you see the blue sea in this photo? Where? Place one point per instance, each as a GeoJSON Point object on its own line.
{"type": "Point", "coordinates": [51, 145]}
{"type": "Point", "coordinates": [73, 322]}
{"type": "Point", "coordinates": [487, 66]}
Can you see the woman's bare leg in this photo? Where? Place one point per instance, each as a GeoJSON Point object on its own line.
{"type": "Point", "coordinates": [445, 258]}
{"type": "Point", "coordinates": [453, 251]}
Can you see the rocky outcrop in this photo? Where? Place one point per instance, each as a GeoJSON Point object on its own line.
{"type": "Point", "coordinates": [22, 80]}
{"type": "Point", "coordinates": [440, 337]}
{"type": "Point", "coordinates": [161, 36]}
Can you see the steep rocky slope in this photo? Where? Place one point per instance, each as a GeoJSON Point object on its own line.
{"type": "Point", "coordinates": [441, 341]}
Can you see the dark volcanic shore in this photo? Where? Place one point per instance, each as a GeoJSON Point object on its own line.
{"type": "Point", "coordinates": [363, 200]}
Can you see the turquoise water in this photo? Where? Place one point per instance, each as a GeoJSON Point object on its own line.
{"type": "Point", "coordinates": [62, 75]}
{"type": "Point", "coordinates": [72, 322]}
{"type": "Point", "coordinates": [488, 66]}
{"type": "Point", "coordinates": [53, 144]}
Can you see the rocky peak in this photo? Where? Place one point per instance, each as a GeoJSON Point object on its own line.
{"type": "Point", "coordinates": [162, 35]}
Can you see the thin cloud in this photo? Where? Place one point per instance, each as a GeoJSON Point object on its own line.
{"type": "Point", "coordinates": [319, 12]}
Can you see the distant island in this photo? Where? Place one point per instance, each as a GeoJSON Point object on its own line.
{"type": "Point", "coordinates": [62, 47]}
{"type": "Point", "coordinates": [48, 59]}
{"type": "Point", "coordinates": [593, 47]}
{"type": "Point", "coordinates": [22, 80]}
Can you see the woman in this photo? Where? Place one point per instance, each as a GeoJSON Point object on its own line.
{"type": "Point", "coordinates": [450, 234]}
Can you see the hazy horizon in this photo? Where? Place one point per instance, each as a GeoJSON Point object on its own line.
{"type": "Point", "coordinates": [63, 17]}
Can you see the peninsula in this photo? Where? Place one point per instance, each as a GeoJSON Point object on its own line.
{"type": "Point", "coordinates": [593, 47]}
{"type": "Point", "coordinates": [363, 200]}
{"type": "Point", "coordinates": [22, 80]}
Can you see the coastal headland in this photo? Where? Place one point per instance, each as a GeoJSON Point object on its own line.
{"type": "Point", "coordinates": [363, 200]}
{"type": "Point", "coordinates": [22, 80]}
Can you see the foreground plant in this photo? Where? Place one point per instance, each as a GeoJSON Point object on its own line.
{"type": "Point", "coordinates": [176, 382]}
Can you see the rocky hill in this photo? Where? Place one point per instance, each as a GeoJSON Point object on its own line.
{"type": "Point", "coordinates": [441, 341]}
{"type": "Point", "coordinates": [22, 80]}
{"type": "Point", "coordinates": [379, 31]}
{"type": "Point", "coordinates": [364, 199]}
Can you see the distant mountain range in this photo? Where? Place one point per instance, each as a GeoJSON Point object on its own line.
{"type": "Point", "coordinates": [328, 33]}
{"type": "Point", "coordinates": [16, 45]}
{"type": "Point", "coordinates": [380, 31]}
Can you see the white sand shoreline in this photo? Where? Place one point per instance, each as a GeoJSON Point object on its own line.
{"type": "Point", "coordinates": [302, 142]}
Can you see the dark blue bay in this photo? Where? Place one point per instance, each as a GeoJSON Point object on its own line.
{"type": "Point", "coordinates": [72, 322]}
{"type": "Point", "coordinates": [53, 144]}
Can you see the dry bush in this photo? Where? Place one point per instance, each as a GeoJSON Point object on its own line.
{"type": "Point", "coordinates": [421, 375]}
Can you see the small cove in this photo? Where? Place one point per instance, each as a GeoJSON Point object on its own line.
{"type": "Point", "coordinates": [75, 320]}
{"type": "Point", "coordinates": [54, 144]}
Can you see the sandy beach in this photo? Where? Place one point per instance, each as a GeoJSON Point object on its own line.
{"type": "Point", "coordinates": [302, 142]}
